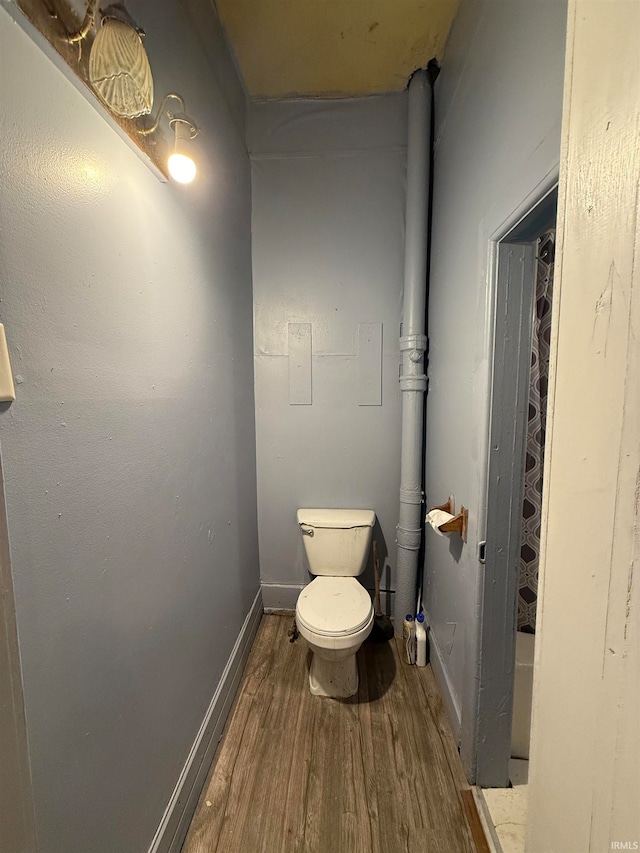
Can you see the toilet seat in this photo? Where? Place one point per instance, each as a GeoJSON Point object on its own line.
{"type": "Point", "coordinates": [334, 607]}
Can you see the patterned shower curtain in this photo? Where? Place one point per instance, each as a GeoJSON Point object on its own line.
{"type": "Point", "coordinates": [534, 465]}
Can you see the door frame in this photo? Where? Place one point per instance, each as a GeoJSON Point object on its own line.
{"type": "Point", "coordinates": [17, 828]}
{"type": "Point", "coordinates": [513, 288]}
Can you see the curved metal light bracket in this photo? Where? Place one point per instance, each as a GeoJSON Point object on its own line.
{"type": "Point", "coordinates": [88, 22]}
{"type": "Point", "coordinates": [173, 117]}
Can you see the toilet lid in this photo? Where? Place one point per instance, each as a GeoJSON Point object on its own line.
{"type": "Point", "coordinates": [334, 606]}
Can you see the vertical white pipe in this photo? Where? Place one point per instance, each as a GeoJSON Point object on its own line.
{"type": "Point", "coordinates": [415, 245]}
{"type": "Point", "coordinates": [413, 343]}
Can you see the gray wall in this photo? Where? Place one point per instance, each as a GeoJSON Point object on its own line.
{"type": "Point", "coordinates": [129, 455]}
{"type": "Point", "coordinates": [498, 113]}
{"type": "Point", "coordinates": [328, 231]}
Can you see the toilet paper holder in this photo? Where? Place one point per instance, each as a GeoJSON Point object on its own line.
{"type": "Point", "coordinates": [459, 522]}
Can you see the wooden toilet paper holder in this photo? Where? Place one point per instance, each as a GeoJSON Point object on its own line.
{"type": "Point", "coordinates": [458, 524]}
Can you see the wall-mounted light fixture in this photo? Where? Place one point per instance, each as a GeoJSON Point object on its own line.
{"type": "Point", "coordinates": [118, 73]}
{"type": "Point", "coordinates": [182, 167]}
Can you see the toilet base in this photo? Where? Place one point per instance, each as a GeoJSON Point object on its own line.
{"type": "Point", "coordinates": [337, 679]}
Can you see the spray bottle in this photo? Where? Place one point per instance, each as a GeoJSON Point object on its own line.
{"type": "Point", "coordinates": [421, 641]}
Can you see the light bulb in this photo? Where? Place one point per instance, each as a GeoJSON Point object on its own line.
{"type": "Point", "coordinates": [181, 165]}
{"type": "Point", "coordinates": [182, 168]}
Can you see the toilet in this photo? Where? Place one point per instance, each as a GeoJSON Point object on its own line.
{"type": "Point", "coordinates": [334, 612]}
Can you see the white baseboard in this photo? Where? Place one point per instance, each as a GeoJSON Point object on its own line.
{"type": "Point", "coordinates": [175, 822]}
{"type": "Point", "coordinates": [444, 686]}
{"type": "Point", "coordinates": [277, 596]}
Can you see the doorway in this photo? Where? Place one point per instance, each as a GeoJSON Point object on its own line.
{"type": "Point", "coordinates": [519, 376]}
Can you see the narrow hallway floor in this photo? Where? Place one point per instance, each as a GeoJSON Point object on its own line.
{"type": "Point", "coordinates": [378, 773]}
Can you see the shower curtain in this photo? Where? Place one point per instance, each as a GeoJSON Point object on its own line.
{"type": "Point", "coordinates": [534, 464]}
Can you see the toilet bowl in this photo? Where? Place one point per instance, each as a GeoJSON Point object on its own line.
{"type": "Point", "coordinates": [334, 612]}
{"type": "Point", "coordinates": [335, 616]}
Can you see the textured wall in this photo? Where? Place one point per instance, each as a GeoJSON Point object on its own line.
{"type": "Point", "coordinates": [498, 111]}
{"type": "Point", "coordinates": [129, 455]}
{"type": "Point", "coordinates": [328, 233]}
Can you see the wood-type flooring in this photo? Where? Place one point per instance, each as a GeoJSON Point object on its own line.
{"type": "Point", "coordinates": [296, 773]}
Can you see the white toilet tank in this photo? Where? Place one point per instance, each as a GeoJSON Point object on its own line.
{"type": "Point", "coordinates": [337, 541]}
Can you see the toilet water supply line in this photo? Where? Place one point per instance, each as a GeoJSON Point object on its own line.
{"type": "Point", "coordinates": [413, 344]}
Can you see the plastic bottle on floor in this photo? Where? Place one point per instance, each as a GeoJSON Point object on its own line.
{"type": "Point", "coordinates": [421, 641]}
{"type": "Point", "coordinates": [409, 634]}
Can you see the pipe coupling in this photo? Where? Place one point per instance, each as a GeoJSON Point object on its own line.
{"type": "Point", "coordinates": [411, 496]}
{"type": "Point", "coordinates": [408, 539]}
{"type": "Point", "coordinates": [412, 375]}
{"type": "Point", "coordinates": [413, 342]}
{"type": "Point", "coordinates": [413, 383]}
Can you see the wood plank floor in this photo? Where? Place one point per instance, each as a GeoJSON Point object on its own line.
{"type": "Point", "coordinates": [297, 773]}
